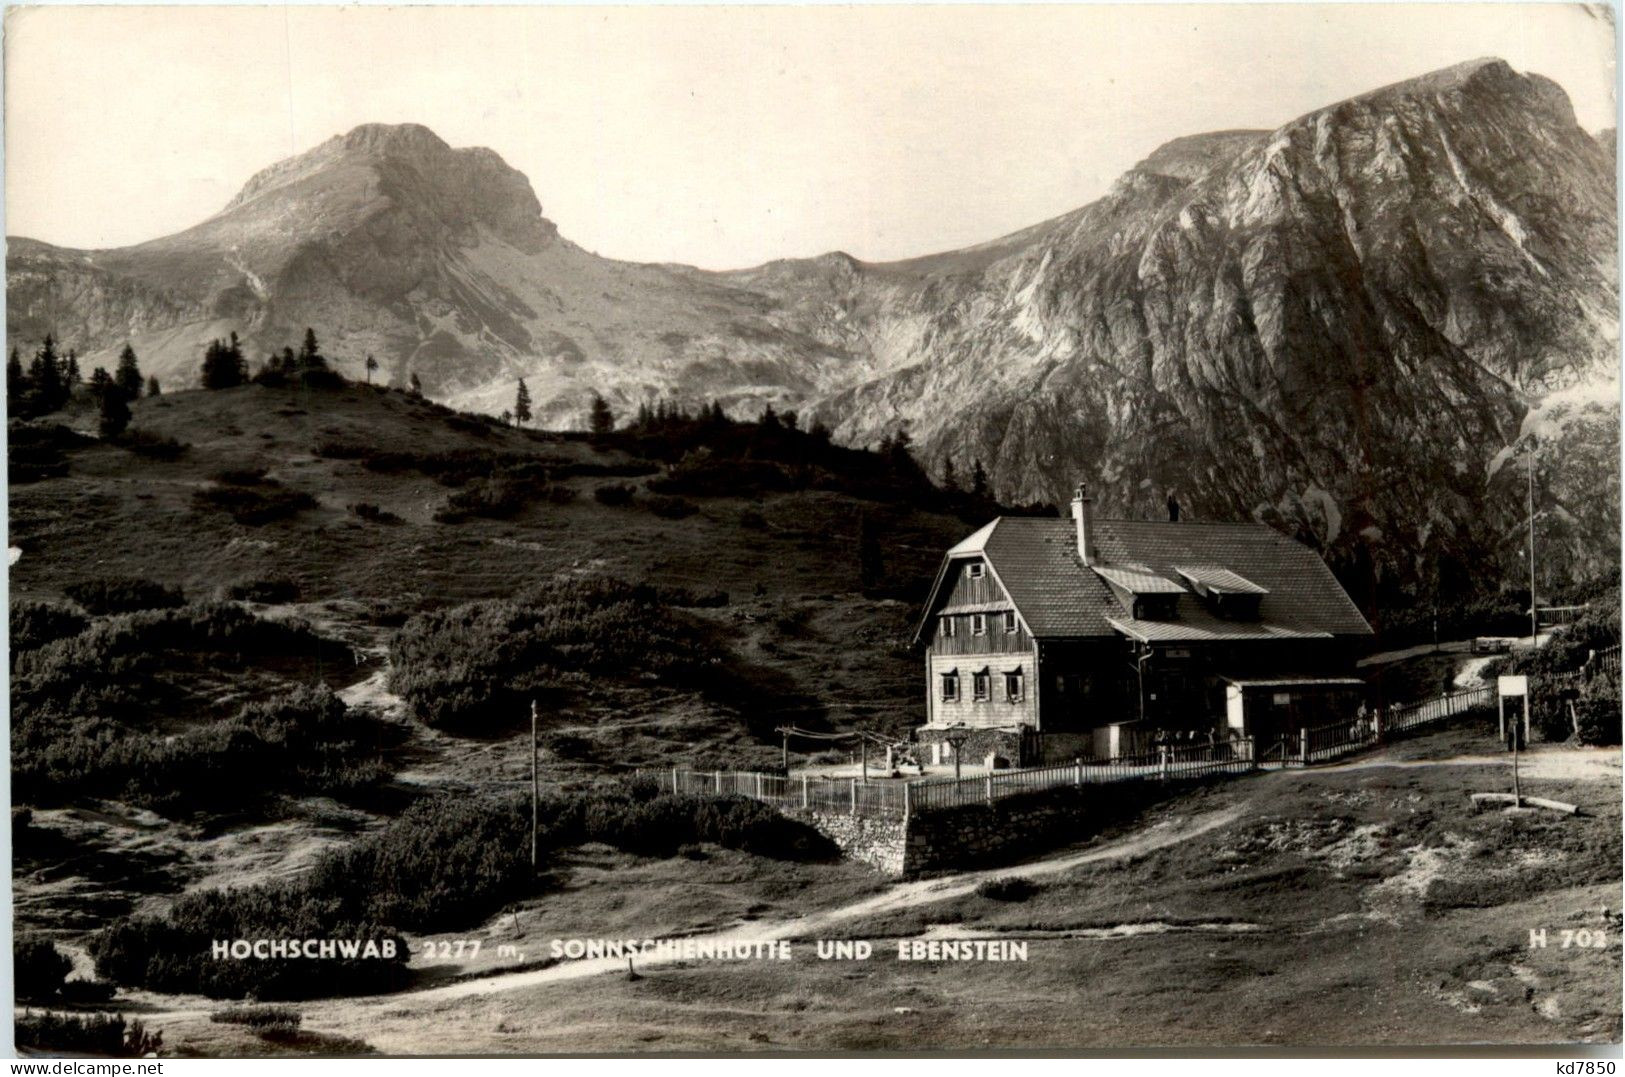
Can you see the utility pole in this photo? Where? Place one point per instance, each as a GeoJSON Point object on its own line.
{"type": "Point", "coordinates": [1534, 618]}
{"type": "Point", "coordinates": [534, 790]}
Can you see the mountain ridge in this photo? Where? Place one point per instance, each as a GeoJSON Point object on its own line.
{"type": "Point", "coordinates": [1267, 323]}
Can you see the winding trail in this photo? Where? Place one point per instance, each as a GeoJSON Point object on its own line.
{"type": "Point", "coordinates": [905, 895]}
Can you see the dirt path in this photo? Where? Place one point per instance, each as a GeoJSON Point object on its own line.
{"type": "Point", "coordinates": [1552, 764]}
{"type": "Point", "coordinates": [906, 895]}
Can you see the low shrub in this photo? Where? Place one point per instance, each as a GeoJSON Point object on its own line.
{"type": "Point", "coordinates": [276, 590]}
{"type": "Point", "coordinates": [1007, 888]}
{"type": "Point", "coordinates": [39, 967]}
{"type": "Point", "coordinates": [477, 665]}
{"type": "Point", "coordinates": [448, 862]}
{"type": "Point", "coordinates": [371, 512]}
{"type": "Point", "coordinates": [152, 446]}
{"type": "Point", "coordinates": [258, 1016]}
{"type": "Point", "coordinates": [104, 596]}
{"type": "Point", "coordinates": [36, 451]}
{"type": "Point", "coordinates": [87, 992]}
{"type": "Point", "coordinates": [34, 624]}
{"type": "Point", "coordinates": [618, 493]}
{"type": "Point", "coordinates": [257, 505]}
{"type": "Point", "coordinates": [503, 495]}
{"type": "Point", "coordinates": [99, 1034]}
{"type": "Point", "coordinates": [240, 476]}
{"type": "Point", "coordinates": [1598, 719]}
{"type": "Point", "coordinates": [670, 508]}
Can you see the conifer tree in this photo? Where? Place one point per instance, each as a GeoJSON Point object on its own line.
{"type": "Point", "coordinates": [310, 355]}
{"type": "Point", "coordinates": [45, 377]}
{"type": "Point", "coordinates": [115, 409]}
{"type": "Point", "coordinates": [70, 371]}
{"type": "Point", "coordinates": [100, 381]}
{"type": "Point", "coordinates": [950, 478]}
{"type": "Point", "coordinates": [128, 374]}
{"type": "Point", "coordinates": [16, 381]}
{"type": "Point", "coordinates": [153, 389]}
{"type": "Point", "coordinates": [600, 419]}
{"type": "Point", "coordinates": [371, 365]}
{"type": "Point", "coordinates": [416, 386]}
{"type": "Point", "coordinates": [978, 479]}
{"type": "Point", "coordinates": [521, 403]}
{"type": "Point", "coordinates": [223, 366]}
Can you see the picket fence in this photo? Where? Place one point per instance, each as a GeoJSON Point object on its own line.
{"type": "Point", "coordinates": [898, 800]}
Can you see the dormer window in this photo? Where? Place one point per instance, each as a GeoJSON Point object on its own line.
{"type": "Point", "coordinates": [947, 627]}
{"type": "Point", "coordinates": [975, 570]}
{"type": "Point", "coordinates": [1010, 621]}
{"type": "Point", "coordinates": [978, 624]}
{"type": "Point", "coordinates": [1156, 607]}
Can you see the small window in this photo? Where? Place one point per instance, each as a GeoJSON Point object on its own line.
{"type": "Point", "coordinates": [982, 685]}
{"type": "Point", "coordinates": [976, 569]}
{"type": "Point", "coordinates": [950, 686]}
{"type": "Point", "coordinates": [1012, 686]}
{"type": "Point", "coordinates": [948, 628]}
{"type": "Point", "coordinates": [978, 624]}
{"type": "Point", "coordinates": [1010, 621]}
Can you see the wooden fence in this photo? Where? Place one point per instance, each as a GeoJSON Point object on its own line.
{"type": "Point", "coordinates": [898, 800]}
{"type": "Point", "coordinates": [1321, 744]}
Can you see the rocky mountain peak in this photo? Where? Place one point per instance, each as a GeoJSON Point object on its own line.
{"type": "Point", "coordinates": [403, 167]}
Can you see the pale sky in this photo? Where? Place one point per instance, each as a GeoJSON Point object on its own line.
{"type": "Point", "coordinates": [720, 137]}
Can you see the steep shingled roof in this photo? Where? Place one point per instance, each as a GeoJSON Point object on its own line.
{"type": "Point", "coordinates": [1036, 561]}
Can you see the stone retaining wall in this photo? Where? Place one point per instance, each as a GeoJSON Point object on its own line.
{"type": "Point", "coordinates": [880, 843]}
{"type": "Point", "coordinates": [978, 835]}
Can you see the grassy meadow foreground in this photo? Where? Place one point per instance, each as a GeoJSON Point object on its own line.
{"type": "Point", "coordinates": [273, 652]}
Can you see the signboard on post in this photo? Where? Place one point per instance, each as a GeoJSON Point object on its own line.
{"type": "Point", "coordinates": [1513, 687]}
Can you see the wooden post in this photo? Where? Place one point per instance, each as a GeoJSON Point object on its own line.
{"type": "Point", "coordinates": [989, 780]}
{"type": "Point", "coordinates": [717, 777]}
{"type": "Point", "coordinates": [1303, 746]}
{"type": "Point", "coordinates": [1162, 762]}
{"type": "Point", "coordinates": [535, 794]}
{"type": "Point", "coordinates": [784, 755]}
{"type": "Point", "coordinates": [865, 743]}
{"type": "Point", "coordinates": [1077, 765]}
{"type": "Point", "coordinates": [1517, 790]}
{"type": "Point", "coordinates": [674, 789]}
{"type": "Point", "coordinates": [908, 802]}
{"type": "Point", "coordinates": [1376, 723]}
{"type": "Point", "coordinates": [854, 796]}
{"type": "Point", "coordinates": [804, 791]}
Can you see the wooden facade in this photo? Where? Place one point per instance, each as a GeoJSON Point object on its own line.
{"type": "Point", "coordinates": [979, 634]}
{"type": "Point", "coordinates": [1110, 673]}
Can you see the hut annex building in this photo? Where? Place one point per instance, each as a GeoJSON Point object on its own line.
{"type": "Point", "coordinates": [1051, 639]}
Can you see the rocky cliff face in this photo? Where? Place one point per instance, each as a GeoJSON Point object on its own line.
{"type": "Point", "coordinates": [1345, 326]}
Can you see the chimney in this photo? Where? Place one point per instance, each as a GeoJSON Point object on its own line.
{"type": "Point", "coordinates": [1083, 516]}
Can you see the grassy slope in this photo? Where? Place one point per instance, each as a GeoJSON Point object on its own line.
{"type": "Point", "coordinates": [795, 617]}
{"type": "Point", "coordinates": [1352, 906]}
{"type": "Point", "coordinates": [807, 645]}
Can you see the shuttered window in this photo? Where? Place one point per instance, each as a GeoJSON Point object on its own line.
{"type": "Point", "coordinates": [982, 684]}
{"type": "Point", "coordinates": [1014, 686]}
{"type": "Point", "coordinates": [950, 686]}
